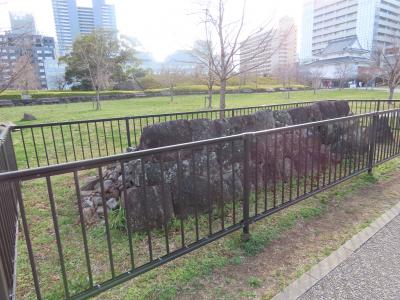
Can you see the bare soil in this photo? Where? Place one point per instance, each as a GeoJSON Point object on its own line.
{"type": "Point", "coordinates": [297, 250]}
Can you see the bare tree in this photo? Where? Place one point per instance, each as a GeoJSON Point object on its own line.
{"type": "Point", "coordinates": [13, 67]}
{"type": "Point", "coordinates": [226, 41]}
{"type": "Point", "coordinates": [343, 72]}
{"type": "Point", "coordinates": [169, 77]}
{"type": "Point", "coordinates": [286, 74]}
{"type": "Point", "coordinates": [201, 53]}
{"type": "Point", "coordinates": [388, 61]}
{"type": "Point", "coordinates": [314, 76]}
{"type": "Point", "coordinates": [28, 79]}
{"type": "Point", "coordinates": [369, 75]}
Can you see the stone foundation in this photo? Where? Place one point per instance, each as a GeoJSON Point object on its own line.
{"type": "Point", "coordinates": [188, 182]}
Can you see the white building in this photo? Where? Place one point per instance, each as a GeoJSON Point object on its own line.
{"type": "Point", "coordinates": [376, 23]}
{"type": "Point", "coordinates": [341, 60]}
{"type": "Point", "coordinates": [278, 49]}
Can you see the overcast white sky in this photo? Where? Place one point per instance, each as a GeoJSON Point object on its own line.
{"type": "Point", "coordinates": [161, 26]}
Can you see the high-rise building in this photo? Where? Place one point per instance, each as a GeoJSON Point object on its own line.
{"type": "Point", "coordinates": [22, 24]}
{"type": "Point", "coordinates": [374, 22]}
{"type": "Point", "coordinates": [265, 53]}
{"type": "Point", "coordinates": [36, 48]}
{"type": "Point", "coordinates": [72, 20]}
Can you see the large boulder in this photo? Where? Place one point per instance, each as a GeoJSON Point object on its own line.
{"type": "Point", "coordinates": [264, 119]}
{"type": "Point", "coordinates": [305, 114]}
{"type": "Point", "coordinates": [282, 118]}
{"type": "Point", "coordinates": [328, 109]}
{"type": "Point", "coordinates": [342, 108]}
{"type": "Point", "coordinates": [384, 133]}
{"type": "Point", "coordinates": [28, 117]}
{"type": "Point", "coordinates": [147, 208]}
{"type": "Point", "coordinates": [165, 134]}
{"type": "Point", "coordinates": [202, 129]}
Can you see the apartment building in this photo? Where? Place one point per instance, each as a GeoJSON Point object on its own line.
{"type": "Point", "coordinates": [264, 53]}
{"type": "Point", "coordinates": [376, 23]}
{"type": "Point", "coordinates": [72, 20]}
{"type": "Point", "coordinates": [37, 47]}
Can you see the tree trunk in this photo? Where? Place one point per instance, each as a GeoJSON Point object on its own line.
{"type": "Point", "coordinates": [210, 95]}
{"type": "Point", "coordinates": [222, 93]}
{"type": "Point", "coordinates": [391, 94]}
{"type": "Point", "coordinates": [171, 92]}
{"type": "Point", "coordinates": [98, 106]}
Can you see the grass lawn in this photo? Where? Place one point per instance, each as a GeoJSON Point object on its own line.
{"type": "Point", "coordinates": [158, 105]}
{"type": "Point", "coordinates": [167, 281]}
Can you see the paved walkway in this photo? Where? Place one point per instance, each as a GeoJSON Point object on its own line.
{"type": "Point", "coordinates": [366, 267]}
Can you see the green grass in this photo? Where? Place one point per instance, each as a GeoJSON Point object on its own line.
{"type": "Point", "coordinates": [165, 282]}
{"type": "Point", "coordinates": [158, 105]}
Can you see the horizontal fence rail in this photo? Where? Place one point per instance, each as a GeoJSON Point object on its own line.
{"type": "Point", "coordinates": [8, 218]}
{"type": "Point", "coordinates": [175, 199]}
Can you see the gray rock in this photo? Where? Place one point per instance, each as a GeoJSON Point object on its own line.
{"type": "Point", "coordinates": [264, 119]}
{"type": "Point", "coordinates": [28, 117]}
{"type": "Point", "coordinates": [165, 134]}
{"type": "Point", "coordinates": [97, 201]}
{"type": "Point", "coordinates": [282, 118]}
{"type": "Point", "coordinates": [147, 209]}
{"type": "Point", "coordinates": [100, 211]}
{"type": "Point", "coordinates": [90, 183]}
{"type": "Point", "coordinates": [112, 203]}
{"type": "Point", "coordinates": [87, 203]}
{"type": "Point", "coordinates": [342, 108]}
{"type": "Point", "coordinates": [328, 109]}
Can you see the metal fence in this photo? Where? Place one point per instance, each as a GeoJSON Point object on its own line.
{"type": "Point", "coordinates": [176, 199]}
{"type": "Point", "coordinates": [54, 143]}
{"type": "Point", "coordinates": [8, 218]}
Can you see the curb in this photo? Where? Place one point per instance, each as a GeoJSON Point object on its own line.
{"type": "Point", "coordinates": [319, 271]}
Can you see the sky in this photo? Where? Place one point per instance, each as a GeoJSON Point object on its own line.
{"type": "Point", "coordinates": [161, 26]}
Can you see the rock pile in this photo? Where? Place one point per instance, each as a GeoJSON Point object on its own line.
{"type": "Point", "coordinates": [182, 183]}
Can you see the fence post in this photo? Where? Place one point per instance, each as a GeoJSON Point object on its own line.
{"type": "Point", "coordinates": [3, 283]}
{"type": "Point", "coordinates": [128, 132]}
{"type": "Point", "coordinates": [246, 186]}
{"type": "Point", "coordinates": [372, 143]}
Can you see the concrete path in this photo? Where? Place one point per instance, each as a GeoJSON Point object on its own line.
{"type": "Point", "coordinates": [366, 267]}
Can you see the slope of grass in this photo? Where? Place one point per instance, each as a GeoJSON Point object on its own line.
{"type": "Point", "coordinates": [157, 105]}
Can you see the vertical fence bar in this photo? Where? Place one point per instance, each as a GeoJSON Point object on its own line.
{"type": "Point", "coordinates": [246, 186]}
{"type": "Point", "coordinates": [128, 132]}
{"type": "Point", "coordinates": [372, 140]}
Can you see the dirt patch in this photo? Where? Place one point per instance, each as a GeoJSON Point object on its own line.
{"type": "Point", "coordinates": [298, 249]}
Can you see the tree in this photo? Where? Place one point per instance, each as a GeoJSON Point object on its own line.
{"type": "Point", "coordinates": [225, 40]}
{"type": "Point", "coordinates": [343, 72]}
{"type": "Point", "coordinates": [94, 60]}
{"type": "Point", "coordinates": [388, 62]}
{"type": "Point", "coordinates": [11, 71]}
{"type": "Point", "coordinates": [28, 79]}
{"type": "Point", "coordinates": [314, 75]}
{"type": "Point", "coordinates": [169, 77]}
{"type": "Point", "coordinates": [287, 74]}
{"type": "Point", "coordinates": [202, 53]}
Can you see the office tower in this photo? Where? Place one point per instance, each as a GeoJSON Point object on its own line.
{"type": "Point", "coordinates": [36, 48]}
{"type": "Point", "coordinates": [374, 22]}
{"type": "Point", "coordinates": [278, 49]}
{"type": "Point", "coordinates": [72, 20]}
{"type": "Point", "coordinates": [22, 24]}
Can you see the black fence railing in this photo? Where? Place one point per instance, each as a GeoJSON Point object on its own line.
{"type": "Point", "coordinates": [46, 144]}
{"type": "Point", "coordinates": [54, 143]}
{"type": "Point", "coordinates": [8, 218]}
{"type": "Point", "coordinates": [175, 199]}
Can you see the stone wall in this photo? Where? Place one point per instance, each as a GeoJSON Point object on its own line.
{"type": "Point", "coordinates": [206, 177]}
